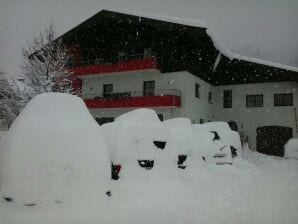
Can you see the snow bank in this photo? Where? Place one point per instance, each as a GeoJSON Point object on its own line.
{"type": "Point", "coordinates": [2, 133]}
{"type": "Point", "coordinates": [227, 136]}
{"type": "Point", "coordinates": [139, 116]}
{"type": "Point", "coordinates": [54, 151]}
{"type": "Point", "coordinates": [291, 149]}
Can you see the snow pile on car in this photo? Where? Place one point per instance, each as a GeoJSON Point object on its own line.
{"type": "Point", "coordinates": [291, 149]}
{"type": "Point", "coordinates": [53, 152]}
{"type": "Point", "coordinates": [138, 138]}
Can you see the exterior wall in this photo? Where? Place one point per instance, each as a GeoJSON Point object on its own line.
{"type": "Point", "coordinates": [249, 119]}
{"type": "Point", "coordinates": [191, 106]}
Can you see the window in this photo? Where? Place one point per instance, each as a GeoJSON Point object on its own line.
{"type": "Point", "coordinates": [148, 52]}
{"type": "Point", "coordinates": [254, 100]}
{"type": "Point", "coordinates": [283, 99]}
{"type": "Point", "coordinates": [227, 98]}
{"type": "Point", "coordinates": [107, 90]}
{"type": "Point", "coordinates": [210, 96]}
{"type": "Point", "coordinates": [160, 116]}
{"type": "Point", "coordinates": [148, 88]}
{"type": "Point", "coordinates": [197, 90]}
{"type": "Point", "coordinates": [122, 56]}
{"type": "Point", "coordinates": [201, 121]}
{"type": "Point", "coordinates": [103, 120]}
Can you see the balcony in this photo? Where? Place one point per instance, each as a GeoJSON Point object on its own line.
{"type": "Point", "coordinates": [166, 98]}
{"type": "Point", "coordinates": [121, 64]}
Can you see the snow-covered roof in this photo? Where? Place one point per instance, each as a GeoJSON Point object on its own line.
{"type": "Point", "coordinates": [217, 43]}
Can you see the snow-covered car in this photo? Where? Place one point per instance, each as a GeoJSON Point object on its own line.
{"type": "Point", "coordinates": [136, 138]}
{"type": "Point", "coordinates": [226, 141]}
{"type": "Point", "coordinates": [139, 137]}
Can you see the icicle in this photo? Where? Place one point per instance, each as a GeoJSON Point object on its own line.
{"type": "Point", "coordinates": [217, 60]}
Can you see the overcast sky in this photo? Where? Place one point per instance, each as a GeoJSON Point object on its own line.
{"type": "Point", "coordinates": [264, 29]}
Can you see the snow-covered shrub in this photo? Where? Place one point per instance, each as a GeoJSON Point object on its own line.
{"type": "Point", "coordinates": [54, 151]}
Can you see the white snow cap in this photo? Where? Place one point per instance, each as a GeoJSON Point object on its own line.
{"type": "Point", "coordinates": [131, 137]}
{"type": "Point", "coordinates": [139, 116]}
{"type": "Point", "coordinates": [54, 151]}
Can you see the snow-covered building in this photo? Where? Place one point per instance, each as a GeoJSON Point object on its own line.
{"type": "Point", "coordinates": [178, 68]}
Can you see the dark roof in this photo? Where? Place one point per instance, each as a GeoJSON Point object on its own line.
{"type": "Point", "coordinates": [178, 47]}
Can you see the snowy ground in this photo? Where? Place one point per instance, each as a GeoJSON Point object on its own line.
{"type": "Point", "coordinates": [55, 159]}
{"type": "Point", "coordinates": [257, 189]}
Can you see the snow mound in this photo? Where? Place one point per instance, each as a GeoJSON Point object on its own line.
{"type": "Point", "coordinates": [291, 149]}
{"type": "Point", "coordinates": [54, 151]}
{"type": "Point", "coordinates": [177, 122]}
{"type": "Point", "coordinates": [129, 142]}
{"type": "Point", "coordinates": [140, 116]}
{"type": "Point", "coordinates": [227, 136]}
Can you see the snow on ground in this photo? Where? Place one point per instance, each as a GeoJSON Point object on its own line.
{"type": "Point", "coordinates": [2, 133]}
{"type": "Point", "coordinates": [291, 149]}
{"type": "Point", "coordinates": [255, 189]}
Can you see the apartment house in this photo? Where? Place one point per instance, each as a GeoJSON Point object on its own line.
{"type": "Point", "coordinates": [175, 66]}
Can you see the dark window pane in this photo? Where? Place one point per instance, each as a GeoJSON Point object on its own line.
{"type": "Point", "coordinates": [197, 90]}
{"type": "Point", "coordinates": [148, 88]}
{"type": "Point", "coordinates": [160, 116]}
{"type": "Point", "coordinates": [107, 90]}
{"type": "Point", "coordinates": [103, 120]}
{"type": "Point", "coordinates": [227, 99]}
{"type": "Point", "coordinates": [283, 99]}
{"type": "Point", "coordinates": [210, 96]}
{"type": "Point", "coordinates": [254, 100]}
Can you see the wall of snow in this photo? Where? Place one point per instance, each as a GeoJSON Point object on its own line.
{"type": "Point", "coordinates": [54, 151]}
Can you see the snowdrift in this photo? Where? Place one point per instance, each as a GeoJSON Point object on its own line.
{"type": "Point", "coordinates": [291, 149]}
{"type": "Point", "coordinates": [53, 152]}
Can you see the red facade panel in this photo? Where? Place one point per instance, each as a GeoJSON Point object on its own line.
{"type": "Point", "coordinates": [142, 101]}
{"type": "Point", "coordinates": [131, 65]}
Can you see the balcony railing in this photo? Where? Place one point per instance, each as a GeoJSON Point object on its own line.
{"type": "Point", "coordinates": [119, 64]}
{"type": "Point", "coordinates": [156, 98]}
{"type": "Point", "coordinates": [117, 60]}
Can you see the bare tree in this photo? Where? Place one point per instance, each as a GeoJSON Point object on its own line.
{"type": "Point", "coordinates": [12, 98]}
{"type": "Point", "coordinates": [45, 63]}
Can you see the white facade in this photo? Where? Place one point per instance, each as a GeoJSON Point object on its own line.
{"type": "Point", "coordinates": [191, 106]}
{"type": "Point", "coordinates": [199, 109]}
{"type": "Point", "coordinates": [250, 118]}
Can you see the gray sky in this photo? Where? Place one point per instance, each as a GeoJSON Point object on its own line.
{"type": "Point", "coordinates": [264, 29]}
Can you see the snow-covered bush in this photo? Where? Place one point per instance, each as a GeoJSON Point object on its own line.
{"type": "Point", "coordinates": [291, 149]}
{"type": "Point", "coordinates": [54, 151]}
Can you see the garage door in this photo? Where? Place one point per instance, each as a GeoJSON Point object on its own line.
{"type": "Point", "coordinates": [271, 139]}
